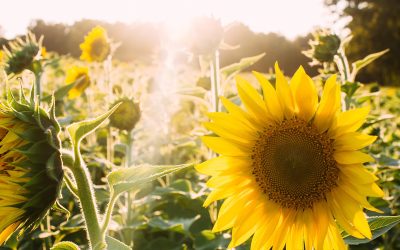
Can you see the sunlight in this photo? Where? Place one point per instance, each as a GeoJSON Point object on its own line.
{"type": "Point", "coordinates": [282, 17]}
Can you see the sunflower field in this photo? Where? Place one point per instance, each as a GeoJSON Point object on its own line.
{"type": "Point", "coordinates": [97, 153]}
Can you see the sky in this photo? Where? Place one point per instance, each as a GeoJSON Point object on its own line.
{"type": "Point", "coordinates": [287, 17]}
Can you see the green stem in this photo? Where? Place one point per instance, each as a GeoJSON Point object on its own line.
{"type": "Point", "coordinates": [215, 80]}
{"type": "Point", "coordinates": [38, 88]}
{"type": "Point", "coordinates": [129, 195]}
{"type": "Point", "coordinates": [87, 199]}
{"type": "Point", "coordinates": [108, 214]}
{"type": "Point", "coordinates": [345, 65]}
{"type": "Point", "coordinates": [71, 186]}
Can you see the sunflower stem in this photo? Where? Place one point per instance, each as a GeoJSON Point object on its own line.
{"type": "Point", "coordinates": [108, 214]}
{"type": "Point", "coordinates": [88, 202]}
{"type": "Point", "coordinates": [38, 89]}
{"type": "Point", "coordinates": [215, 80]}
{"type": "Point", "coordinates": [129, 197]}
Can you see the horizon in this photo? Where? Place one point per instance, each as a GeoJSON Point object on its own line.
{"type": "Point", "coordinates": [174, 14]}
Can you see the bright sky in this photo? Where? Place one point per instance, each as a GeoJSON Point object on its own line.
{"type": "Point", "coordinates": [288, 17]}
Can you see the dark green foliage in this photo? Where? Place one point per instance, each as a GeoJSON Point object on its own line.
{"type": "Point", "coordinates": [375, 26]}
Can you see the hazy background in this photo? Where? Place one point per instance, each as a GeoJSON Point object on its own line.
{"type": "Point", "coordinates": [281, 29]}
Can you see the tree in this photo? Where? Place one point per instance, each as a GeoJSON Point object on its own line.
{"type": "Point", "coordinates": [375, 26]}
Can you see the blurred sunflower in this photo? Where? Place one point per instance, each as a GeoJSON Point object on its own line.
{"type": "Point", "coordinates": [81, 75]}
{"type": "Point", "coordinates": [21, 55]}
{"type": "Point", "coordinates": [290, 168]}
{"type": "Point", "coordinates": [127, 115]}
{"type": "Point", "coordinates": [96, 46]}
{"type": "Point", "coordinates": [30, 165]}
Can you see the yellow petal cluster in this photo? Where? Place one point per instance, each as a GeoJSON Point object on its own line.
{"type": "Point", "coordinates": [263, 172]}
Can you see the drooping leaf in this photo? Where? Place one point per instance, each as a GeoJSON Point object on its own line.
{"type": "Point", "coordinates": [124, 179]}
{"type": "Point", "coordinates": [378, 224]}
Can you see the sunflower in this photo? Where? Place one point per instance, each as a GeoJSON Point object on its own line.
{"type": "Point", "coordinates": [96, 46]}
{"type": "Point", "coordinates": [21, 55]}
{"type": "Point", "coordinates": [79, 75]}
{"type": "Point", "coordinates": [127, 115]}
{"type": "Point", "coordinates": [289, 166]}
{"type": "Point", "coordinates": [30, 165]}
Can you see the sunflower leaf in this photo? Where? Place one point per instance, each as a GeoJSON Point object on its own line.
{"type": "Point", "coordinates": [114, 244]}
{"type": "Point", "coordinates": [65, 245]}
{"type": "Point", "coordinates": [125, 179]}
{"type": "Point", "coordinates": [79, 130]}
{"type": "Point", "coordinates": [378, 224]}
{"type": "Point", "coordinates": [241, 65]}
{"type": "Point", "coordinates": [357, 65]}
{"type": "Point", "coordinates": [61, 92]}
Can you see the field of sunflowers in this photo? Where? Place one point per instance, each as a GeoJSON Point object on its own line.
{"type": "Point", "coordinates": [100, 154]}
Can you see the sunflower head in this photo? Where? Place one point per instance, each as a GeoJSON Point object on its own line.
{"type": "Point", "coordinates": [30, 164]}
{"type": "Point", "coordinates": [206, 35]}
{"type": "Point", "coordinates": [324, 46]}
{"type": "Point", "coordinates": [290, 167]}
{"type": "Point", "coordinates": [126, 115]}
{"type": "Point", "coordinates": [81, 76]}
{"type": "Point", "coordinates": [21, 55]}
{"type": "Point", "coordinates": [96, 46]}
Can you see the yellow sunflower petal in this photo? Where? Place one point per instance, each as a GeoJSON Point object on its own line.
{"type": "Point", "coordinates": [305, 94]}
{"type": "Point", "coordinates": [6, 233]}
{"type": "Point", "coordinates": [322, 219]}
{"type": "Point", "coordinates": [340, 217]}
{"type": "Point", "coordinates": [354, 214]}
{"type": "Point", "coordinates": [329, 105]}
{"type": "Point", "coordinates": [284, 93]}
{"type": "Point", "coordinates": [239, 136]}
{"type": "Point", "coordinates": [238, 112]}
{"type": "Point", "coordinates": [353, 141]}
{"type": "Point", "coordinates": [252, 100]}
{"type": "Point", "coordinates": [270, 97]}
{"type": "Point", "coordinates": [349, 121]}
{"type": "Point", "coordinates": [229, 210]}
{"type": "Point", "coordinates": [358, 173]}
{"type": "Point", "coordinates": [352, 157]}
{"type": "Point", "coordinates": [357, 196]}
{"type": "Point", "coordinates": [246, 224]}
{"type": "Point", "coordinates": [216, 165]}
{"type": "Point", "coordinates": [224, 146]}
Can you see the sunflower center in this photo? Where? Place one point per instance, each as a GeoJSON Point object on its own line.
{"type": "Point", "coordinates": [293, 164]}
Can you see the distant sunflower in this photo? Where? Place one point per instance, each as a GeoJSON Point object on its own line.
{"type": "Point", "coordinates": [96, 46]}
{"type": "Point", "coordinates": [81, 75]}
{"type": "Point", "coordinates": [290, 169]}
{"type": "Point", "coordinates": [30, 165]}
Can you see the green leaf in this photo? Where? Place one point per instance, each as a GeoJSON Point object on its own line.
{"type": "Point", "coordinates": [124, 179]}
{"type": "Point", "coordinates": [378, 224]}
{"type": "Point", "coordinates": [114, 244]}
{"type": "Point", "coordinates": [243, 64]}
{"type": "Point", "coordinates": [61, 92]}
{"type": "Point", "coordinates": [79, 130]}
{"type": "Point", "coordinates": [65, 245]}
{"type": "Point", "coordinates": [357, 65]}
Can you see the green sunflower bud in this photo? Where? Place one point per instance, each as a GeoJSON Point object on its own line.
{"type": "Point", "coordinates": [126, 116]}
{"type": "Point", "coordinates": [31, 171]}
{"type": "Point", "coordinates": [21, 55]}
{"type": "Point", "coordinates": [324, 46]}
